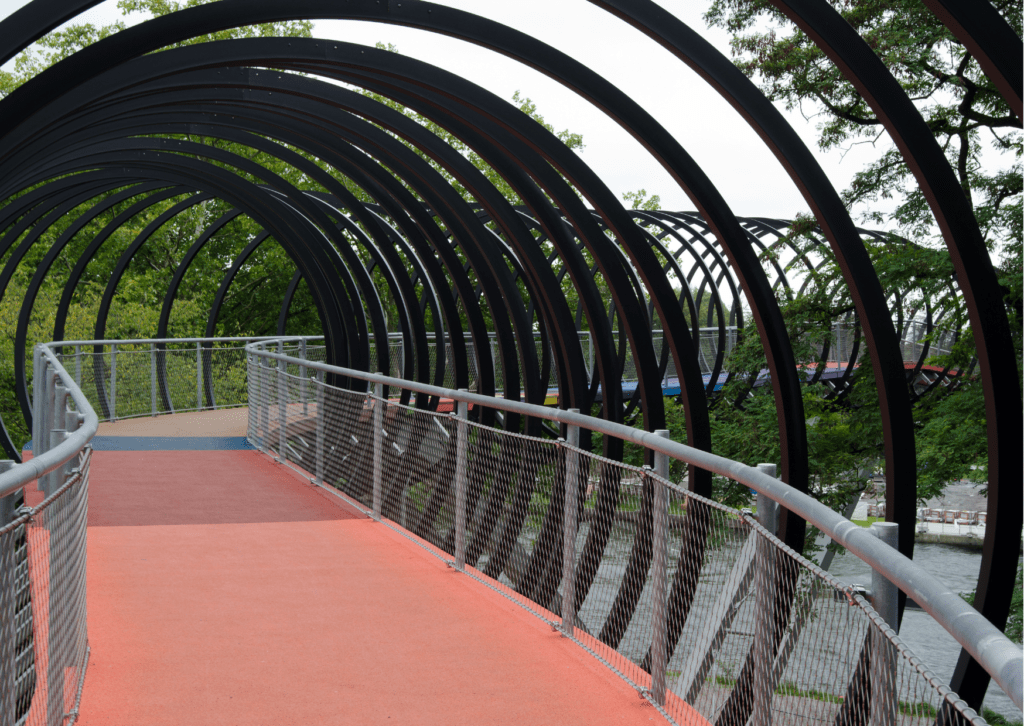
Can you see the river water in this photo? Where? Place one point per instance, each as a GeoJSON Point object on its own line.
{"type": "Point", "coordinates": [958, 569]}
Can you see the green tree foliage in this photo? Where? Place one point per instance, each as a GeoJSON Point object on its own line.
{"type": "Point", "coordinates": [982, 141]}
{"type": "Point", "coordinates": [965, 111]}
{"type": "Point", "coordinates": [981, 138]}
{"type": "Point", "coordinates": [253, 302]}
{"type": "Point", "coordinates": [640, 200]}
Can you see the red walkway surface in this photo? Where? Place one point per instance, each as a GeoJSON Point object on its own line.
{"type": "Point", "coordinates": [225, 590]}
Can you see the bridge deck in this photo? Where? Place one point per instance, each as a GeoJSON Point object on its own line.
{"type": "Point", "coordinates": [223, 589]}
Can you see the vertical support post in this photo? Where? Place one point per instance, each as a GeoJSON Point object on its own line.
{"type": "Point", "coordinates": [8, 634]}
{"type": "Point", "coordinates": [569, 523]}
{"type": "Point", "coordinates": [884, 597]}
{"type": "Point", "coordinates": [302, 378]}
{"type": "Point", "coordinates": [6, 503]}
{"type": "Point", "coordinates": [590, 353]}
{"type": "Point", "coordinates": [767, 508]}
{"type": "Point", "coordinates": [38, 395]}
{"type": "Point", "coordinates": [378, 447]}
{"type": "Point", "coordinates": [152, 379]}
{"type": "Point", "coordinates": [199, 376]}
{"type": "Point", "coordinates": [321, 431]}
{"type": "Point", "coordinates": [256, 399]}
{"type": "Point", "coordinates": [58, 413]}
{"type": "Point", "coordinates": [113, 382]}
{"type": "Point", "coordinates": [764, 618]}
{"type": "Point", "coordinates": [46, 420]}
{"type": "Point", "coordinates": [883, 593]}
{"type": "Point", "coordinates": [78, 366]}
{"type": "Point", "coordinates": [264, 402]}
{"type": "Point", "coordinates": [659, 577]}
{"type": "Point", "coordinates": [57, 655]}
{"type": "Point", "coordinates": [461, 480]}
{"type": "Point", "coordinates": [282, 404]}
{"type": "Point", "coordinates": [252, 428]}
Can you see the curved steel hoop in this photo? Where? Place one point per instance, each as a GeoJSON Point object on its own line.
{"type": "Point", "coordinates": [595, 305]}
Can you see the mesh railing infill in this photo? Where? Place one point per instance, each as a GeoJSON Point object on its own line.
{"type": "Point", "coordinates": [752, 626]}
{"type": "Point", "coordinates": [43, 606]}
{"type": "Point", "coordinates": [130, 380]}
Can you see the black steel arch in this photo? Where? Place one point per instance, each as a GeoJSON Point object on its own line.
{"type": "Point", "coordinates": [979, 291]}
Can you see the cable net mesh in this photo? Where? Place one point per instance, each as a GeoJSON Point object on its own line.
{"type": "Point", "coordinates": [43, 643]}
{"type": "Point", "coordinates": [129, 380]}
{"type": "Point", "coordinates": [754, 632]}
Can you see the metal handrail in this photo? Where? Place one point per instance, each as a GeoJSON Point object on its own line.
{"type": "Point", "coordinates": [168, 341]}
{"type": "Point", "coordinates": [38, 466]}
{"type": "Point", "coordinates": [997, 654]}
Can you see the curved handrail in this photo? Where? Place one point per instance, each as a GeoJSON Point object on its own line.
{"type": "Point", "coordinates": [168, 341]}
{"type": "Point", "coordinates": [999, 656]}
{"type": "Point", "coordinates": [21, 474]}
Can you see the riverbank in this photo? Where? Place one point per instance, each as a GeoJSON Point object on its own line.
{"type": "Point", "coordinates": [963, 495]}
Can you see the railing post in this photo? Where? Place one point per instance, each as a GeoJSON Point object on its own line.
{"type": "Point", "coordinates": [199, 376]}
{"type": "Point", "coordinates": [46, 418]}
{"type": "Point", "coordinates": [884, 599]}
{"type": "Point", "coordinates": [569, 522]}
{"type": "Point", "coordinates": [78, 366]}
{"type": "Point", "coordinates": [264, 367]}
{"type": "Point", "coordinates": [38, 396]}
{"type": "Point", "coordinates": [378, 447]}
{"type": "Point", "coordinates": [54, 480]}
{"type": "Point", "coordinates": [590, 355]}
{"type": "Point", "coordinates": [6, 503]}
{"type": "Point", "coordinates": [282, 404]}
{"type": "Point", "coordinates": [152, 379]}
{"type": "Point", "coordinates": [251, 430]}
{"type": "Point", "coordinates": [113, 382]}
{"type": "Point", "coordinates": [321, 430]}
{"type": "Point", "coordinates": [764, 618]}
{"type": "Point", "coordinates": [659, 577]}
{"type": "Point", "coordinates": [56, 656]}
{"type": "Point", "coordinates": [767, 508]}
{"type": "Point", "coordinates": [461, 477]}
{"type": "Point", "coordinates": [302, 378]}
{"type": "Point", "coordinates": [8, 633]}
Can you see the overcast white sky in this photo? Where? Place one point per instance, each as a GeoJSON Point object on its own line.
{"type": "Point", "coordinates": [732, 155]}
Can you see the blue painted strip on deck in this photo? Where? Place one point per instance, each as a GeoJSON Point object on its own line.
{"type": "Point", "coordinates": [166, 443]}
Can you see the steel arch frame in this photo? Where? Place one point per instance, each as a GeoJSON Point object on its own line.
{"type": "Point", "coordinates": [983, 32]}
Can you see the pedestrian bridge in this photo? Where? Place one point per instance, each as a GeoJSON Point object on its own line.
{"type": "Point", "coordinates": [326, 554]}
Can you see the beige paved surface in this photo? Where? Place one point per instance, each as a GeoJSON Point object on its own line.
{"type": "Point", "coordinates": [224, 422]}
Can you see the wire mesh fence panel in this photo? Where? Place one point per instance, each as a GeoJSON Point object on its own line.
{"type": "Point", "coordinates": [752, 632]}
{"type": "Point", "coordinates": [709, 596]}
{"type": "Point", "coordinates": [129, 380]}
{"type": "Point", "coordinates": [417, 470]}
{"type": "Point", "coordinates": [513, 505]}
{"type": "Point", "coordinates": [44, 645]}
{"type": "Point", "coordinates": [613, 561]}
{"type": "Point", "coordinates": [832, 659]}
